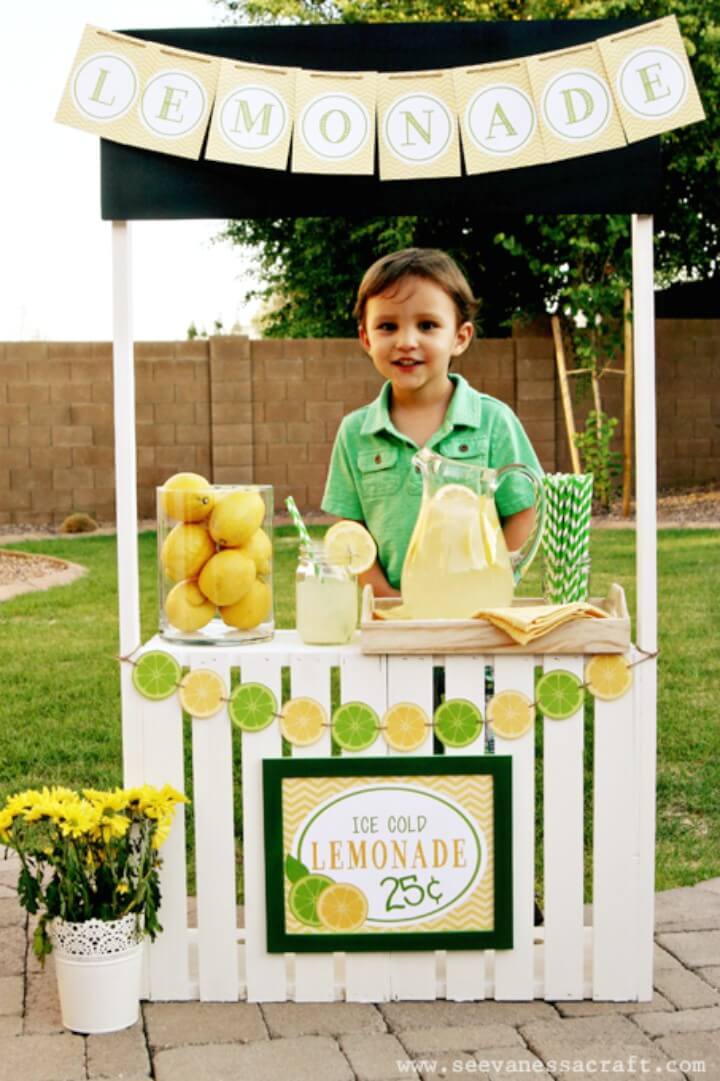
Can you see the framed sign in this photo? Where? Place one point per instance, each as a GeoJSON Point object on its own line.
{"type": "Point", "coordinates": [386, 854]}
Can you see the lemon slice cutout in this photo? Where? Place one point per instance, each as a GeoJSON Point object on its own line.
{"type": "Point", "coordinates": [202, 692]}
{"type": "Point", "coordinates": [342, 907]}
{"type": "Point", "coordinates": [156, 674]}
{"type": "Point", "coordinates": [559, 694]}
{"type": "Point", "coordinates": [405, 726]}
{"type": "Point", "coordinates": [608, 676]}
{"type": "Point", "coordinates": [350, 544]}
{"type": "Point", "coordinates": [303, 898]}
{"type": "Point", "coordinates": [511, 714]}
{"type": "Point", "coordinates": [457, 722]}
{"type": "Point", "coordinates": [355, 726]}
{"type": "Point", "coordinates": [252, 707]}
{"type": "Point", "coordinates": [302, 721]}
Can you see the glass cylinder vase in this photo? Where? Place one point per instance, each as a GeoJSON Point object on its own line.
{"type": "Point", "coordinates": [215, 580]}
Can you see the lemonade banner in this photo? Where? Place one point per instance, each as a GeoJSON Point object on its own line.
{"type": "Point", "coordinates": [550, 107]}
{"type": "Point", "coordinates": [419, 852]}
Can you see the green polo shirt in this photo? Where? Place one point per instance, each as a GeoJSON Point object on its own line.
{"type": "Point", "coordinates": [372, 480]}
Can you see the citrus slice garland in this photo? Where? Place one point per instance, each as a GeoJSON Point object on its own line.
{"type": "Point", "coordinates": [355, 726]}
{"type": "Point", "coordinates": [510, 714]}
{"type": "Point", "coordinates": [608, 676]}
{"type": "Point", "coordinates": [342, 907]}
{"type": "Point", "coordinates": [405, 726]}
{"type": "Point", "coordinates": [156, 675]}
{"type": "Point", "coordinates": [302, 721]}
{"type": "Point", "coordinates": [252, 707]}
{"type": "Point", "coordinates": [559, 694]}
{"type": "Point", "coordinates": [303, 898]}
{"type": "Point", "coordinates": [457, 722]}
{"type": "Point", "coordinates": [202, 692]}
{"type": "Point", "coordinates": [350, 544]}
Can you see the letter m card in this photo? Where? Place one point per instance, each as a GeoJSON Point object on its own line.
{"type": "Point", "coordinates": [575, 104]}
{"type": "Point", "coordinates": [498, 118]}
{"type": "Point", "coordinates": [652, 80]}
{"type": "Point", "coordinates": [252, 121]}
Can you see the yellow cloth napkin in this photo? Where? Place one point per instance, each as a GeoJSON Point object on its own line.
{"type": "Point", "coordinates": [523, 623]}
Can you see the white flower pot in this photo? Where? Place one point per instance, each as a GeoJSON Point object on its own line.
{"type": "Point", "coordinates": [99, 966]}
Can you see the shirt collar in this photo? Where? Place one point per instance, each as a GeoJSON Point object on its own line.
{"type": "Point", "coordinates": [464, 410]}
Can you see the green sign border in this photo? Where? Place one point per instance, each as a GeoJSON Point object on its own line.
{"type": "Point", "coordinates": [280, 941]}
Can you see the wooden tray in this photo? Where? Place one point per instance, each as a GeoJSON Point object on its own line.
{"type": "Point", "coordinates": [477, 636]}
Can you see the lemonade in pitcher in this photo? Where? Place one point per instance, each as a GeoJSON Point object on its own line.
{"type": "Point", "coordinates": [457, 560]}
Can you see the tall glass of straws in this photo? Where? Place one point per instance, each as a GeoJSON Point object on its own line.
{"type": "Point", "coordinates": [566, 539]}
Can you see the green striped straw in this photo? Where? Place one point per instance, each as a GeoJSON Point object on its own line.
{"type": "Point", "coordinates": [298, 522]}
{"type": "Point", "coordinates": [566, 540]}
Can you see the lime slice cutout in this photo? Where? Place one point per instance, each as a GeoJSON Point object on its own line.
{"type": "Point", "coordinates": [252, 706]}
{"type": "Point", "coordinates": [303, 898]}
{"type": "Point", "coordinates": [355, 726]}
{"type": "Point", "coordinates": [559, 694]}
{"type": "Point", "coordinates": [457, 722]}
{"type": "Point", "coordinates": [156, 675]}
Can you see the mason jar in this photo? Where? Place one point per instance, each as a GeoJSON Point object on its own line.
{"type": "Point", "coordinates": [215, 580]}
{"type": "Point", "coordinates": [326, 598]}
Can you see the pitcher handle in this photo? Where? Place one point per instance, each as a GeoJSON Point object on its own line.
{"type": "Point", "coordinates": [525, 555]}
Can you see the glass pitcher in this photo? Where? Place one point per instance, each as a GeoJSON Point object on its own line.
{"type": "Point", "coordinates": [457, 561]}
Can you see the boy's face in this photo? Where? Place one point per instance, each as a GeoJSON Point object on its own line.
{"type": "Point", "coordinates": [411, 333]}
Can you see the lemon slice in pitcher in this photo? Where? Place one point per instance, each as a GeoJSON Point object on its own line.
{"type": "Point", "coordinates": [350, 544]}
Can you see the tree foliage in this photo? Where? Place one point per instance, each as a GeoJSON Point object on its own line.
{"type": "Point", "coordinates": [577, 265]}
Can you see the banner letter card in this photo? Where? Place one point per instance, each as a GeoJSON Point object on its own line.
{"type": "Point", "coordinates": [417, 124]}
{"type": "Point", "coordinates": [498, 120]}
{"type": "Point", "coordinates": [140, 93]}
{"type": "Point", "coordinates": [334, 122]}
{"type": "Point", "coordinates": [652, 80]}
{"type": "Point", "coordinates": [252, 120]}
{"type": "Point", "coordinates": [574, 101]}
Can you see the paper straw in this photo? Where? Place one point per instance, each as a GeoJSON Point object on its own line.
{"type": "Point", "coordinates": [566, 540]}
{"type": "Point", "coordinates": [298, 522]}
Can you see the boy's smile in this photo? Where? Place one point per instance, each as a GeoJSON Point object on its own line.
{"type": "Point", "coordinates": [411, 333]}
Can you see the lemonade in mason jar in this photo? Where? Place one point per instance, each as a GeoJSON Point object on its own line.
{"type": "Point", "coordinates": [326, 598]}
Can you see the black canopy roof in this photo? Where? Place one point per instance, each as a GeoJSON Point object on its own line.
{"type": "Point", "coordinates": [141, 184]}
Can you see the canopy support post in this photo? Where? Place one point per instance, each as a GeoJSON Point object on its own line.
{"type": "Point", "coordinates": [126, 490]}
{"type": "Point", "coordinates": [646, 576]}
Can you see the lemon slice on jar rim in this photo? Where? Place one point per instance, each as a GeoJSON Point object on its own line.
{"type": "Point", "coordinates": [349, 544]}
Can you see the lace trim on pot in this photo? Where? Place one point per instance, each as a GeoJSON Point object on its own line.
{"type": "Point", "coordinates": [95, 938]}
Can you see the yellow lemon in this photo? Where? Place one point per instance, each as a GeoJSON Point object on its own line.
{"type": "Point", "coordinates": [259, 549]}
{"type": "Point", "coordinates": [251, 609]}
{"type": "Point", "coordinates": [187, 608]}
{"type": "Point", "coordinates": [511, 714]}
{"type": "Point", "coordinates": [202, 692]}
{"type": "Point", "coordinates": [227, 576]}
{"type": "Point", "coordinates": [350, 544]}
{"type": "Point", "coordinates": [235, 518]}
{"type": "Point", "coordinates": [405, 726]}
{"type": "Point", "coordinates": [187, 497]}
{"type": "Point", "coordinates": [186, 550]}
{"type": "Point", "coordinates": [608, 676]}
{"type": "Point", "coordinates": [342, 907]}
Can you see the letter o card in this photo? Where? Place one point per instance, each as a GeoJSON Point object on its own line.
{"type": "Point", "coordinates": [652, 79]}
{"type": "Point", "coordinates": [417, 125]}
{"type": "Point", "coordinates": [334, 122]}
{"type": "Point", "coordinates": [575, 104]}
{"type": "Point", "coordinates": [498, 119]}
{"type": "Point", "coordinates": [252, 120]}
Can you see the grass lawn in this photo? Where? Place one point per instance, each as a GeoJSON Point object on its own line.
{"type": "Point", "coordinates": [60, 707]}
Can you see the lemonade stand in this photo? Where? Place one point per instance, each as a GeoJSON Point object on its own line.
{"type": "Point", "coordinates": [402, 866]}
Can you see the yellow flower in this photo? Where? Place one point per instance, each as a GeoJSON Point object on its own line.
{"type": "Point", "coordinates": [162, 831]}
{"type": "Point", "coordinates": [107, 802]}
{"type": "Point", "coordinates": [77, 819]}
{"type": "Point", "coordinates": [44, 807]}
{"type": "Point", "coordinates": [21, 802]}
{"type": "Point", "coordinates": [122, 888]}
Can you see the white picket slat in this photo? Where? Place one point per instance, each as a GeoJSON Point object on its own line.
{"type": "Point", "coordinates": [266, 972]}
{"type": "Point", "coordinates": [644, 711]}
{"type": "Point", "coordinates": [615, 850]}
{"type": "Point", "coordinates": [310, 677]}
{"type": "Point", "coordinates": [161, 728]}
{"type": "Point", "coordinates": [514, 968]}
{"type": "Point", "coordinates": [465, 969]}
{"type": "Point", "coordinates": [413, 974]}
{"type": "Point", "coordinates": [364, 679]}
{"type": "Point", "coordinates": [215, 846]}
{"type": "Point", "coordinates": [563, 789]}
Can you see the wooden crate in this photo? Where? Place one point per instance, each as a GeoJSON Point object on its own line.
{"type": "Point", "coordinates": [475, 636]}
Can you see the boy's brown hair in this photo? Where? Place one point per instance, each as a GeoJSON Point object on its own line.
{"type": "Point", "coordinates": [430, 263]}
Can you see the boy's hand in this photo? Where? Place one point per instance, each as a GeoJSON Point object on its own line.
{"type": "Point", "coordinates": [376, 578]}
{"type": "Point", "coordinates": [518, 527]}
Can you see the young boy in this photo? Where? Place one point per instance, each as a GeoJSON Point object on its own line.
{"type": "Point", "coordinates": [415, 314]}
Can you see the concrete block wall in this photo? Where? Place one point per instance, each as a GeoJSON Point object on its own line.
{"type": "Point", "coordinates": [242, 411]}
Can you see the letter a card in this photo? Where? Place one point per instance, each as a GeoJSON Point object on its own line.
{"type": "Point", "coordinates": [652, 79]}
{"type": "Point", "coordinates": [252, 121]}
{"type": "Point", "coordinates": [417, 125]}
{"type": "Point", "coordinates": [334, 122]}
{"type": "Point", "coordinates": [575, 104]}
{"type": "Point", "coordinates": [498, 120]}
